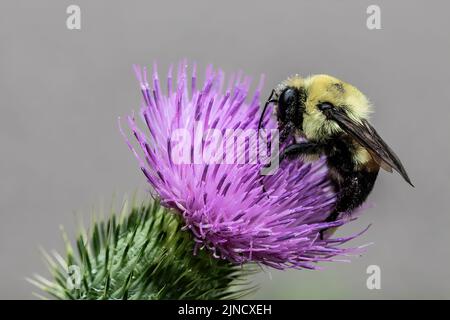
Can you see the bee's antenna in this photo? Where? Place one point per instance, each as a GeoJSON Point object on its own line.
{"type": "Point", "coordinates": [264, 109]}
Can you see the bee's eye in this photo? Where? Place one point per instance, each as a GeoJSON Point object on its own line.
{"type": "Point", "coordinates": [325, 106]}
{"type": "Point", "coordinates": [286, 99]}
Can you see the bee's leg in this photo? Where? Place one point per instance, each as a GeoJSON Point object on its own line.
{"type": "Point", "coordinates": [304, 148]}
{"type": "Point", "coordinates": [332, 217]}
{"type": "Point", "coordinates": [269, 100]}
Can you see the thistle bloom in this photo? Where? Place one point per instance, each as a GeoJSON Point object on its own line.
{"type": "Point", "coordinates": [230, 208]}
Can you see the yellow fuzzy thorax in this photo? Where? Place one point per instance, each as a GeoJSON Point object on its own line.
{"type": "Point", "coordinates": [324, 88]}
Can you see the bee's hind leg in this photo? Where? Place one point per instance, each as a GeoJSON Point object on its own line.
{"type": "Point", "coordinates": [298, 149]}
{"type": "Point", "coordinates": [331, 218]}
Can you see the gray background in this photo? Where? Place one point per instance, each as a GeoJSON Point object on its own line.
{"type": "Point", "coordinates": [61, 92]}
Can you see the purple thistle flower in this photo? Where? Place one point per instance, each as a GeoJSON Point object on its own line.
{"type": "Point", "coordinates": [231, 209]}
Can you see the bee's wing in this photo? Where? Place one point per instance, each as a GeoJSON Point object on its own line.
{"type": "Point", "coordinates": [367, 136]}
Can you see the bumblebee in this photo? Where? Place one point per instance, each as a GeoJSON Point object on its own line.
{"type": "Point", "coordinates": [321, 115]}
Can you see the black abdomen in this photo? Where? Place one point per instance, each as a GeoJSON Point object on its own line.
{"type": "Point", "coordinates": [354, 189]}
{"type": "Point", "coordinates": [352, 184]}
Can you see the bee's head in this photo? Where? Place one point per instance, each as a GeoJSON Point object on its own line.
{"type": "Point", "coordinates": [304, 106]}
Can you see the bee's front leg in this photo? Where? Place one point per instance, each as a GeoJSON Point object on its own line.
{"type": "Point", "coordinates": [301, 149]}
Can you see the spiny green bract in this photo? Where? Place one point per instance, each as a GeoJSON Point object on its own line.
{"type": "Point", "coordinates": [142, 254]}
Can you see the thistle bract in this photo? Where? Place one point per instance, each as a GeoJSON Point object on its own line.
{"type": "Point", "coordinates": [184, 149]}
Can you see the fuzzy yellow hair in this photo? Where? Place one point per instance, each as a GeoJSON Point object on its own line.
{"type": "Point", "coordinates": [324, 88]}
